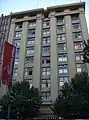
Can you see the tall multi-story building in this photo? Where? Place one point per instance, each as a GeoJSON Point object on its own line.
{"type": "Point", "coordinates": [49, 46]}
{"type": "Point", "coordinates": [4, 29]}
{"type": "Point", "coordinates": [4, 32]}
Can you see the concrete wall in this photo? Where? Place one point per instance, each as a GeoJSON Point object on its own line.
{"type": "Point", "coordinates": [22, 52]}
{"type": "Point", "coordinates": [37, 54]}
{"type": "Point", "coordinates": [53, 49]}
{"type": "Point", "coordinates": [70, 47]}
{"type": "Point", "coordinates": [84, 29]}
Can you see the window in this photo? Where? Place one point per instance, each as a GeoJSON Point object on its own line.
{"type": "Point", "coordinates": [61, 47]}
{"type": "Point", "coordinates": [45, 84]}
{"type": "Point", "coordinates": [46, 24]}
{"type": "Point", "coordinates": [61, 28]}
{"type": "Point", "coordinates": [31, 32]}
{"type": "Point", "coordinates": [78, 56]}
{"type": "Point", "coordinates": [62, 81]}
{"type": "Point", "coordinates": [18, 26]}
{"type": "Point", "coordinates": [16, 61]}
{"type": "Point", "coordinates": [78, 45]}
{"type": "Point", "coordinates": [46, 40]}
{"type": "Point", "coordinates": [60, 19]}
{"type": "Point", "coordinates": [18, 34]}
{"type": "Point", "coordinates": [45, 49]}
{"type": "Point", "coordinates": [1, 41]}
{"type": "Point", "coordinates": [81, 67]}
{"type": "Point", "coordinates": [63, 69]}
{"type": "Point", "coordinates": [31, 41]}
{"type": "Point", "coordinates": [77, 35]}
{"type": "Point", "coordinates": [28, 71]}
{"type": "Point", "coordinates": [31, 85]}
{"type": "Point", "coordinates": [46, 60]}
{"type": "Point", "coordinates": [17, 43]}
{"type": "Point", "coordinates": [75, 17]}
{"type": "Point", "coordinates": [6, 21]}
{"type": "Point", "coordinates": [46, 32]}
{"type": "Point", "coordinates": [61, 37]}
{"type": "Point", "coordinates": [46, 96]}
{"type": "Point", "coordinates": [15, 73]}
{"type": "Point", "coordinates": [30, 51]}
{"type": "Point", "coordinates": [17, 52]}
{"type": "Point", "coordinates": [32, 24]}
{"type": "Point", "coordinates": [14, 80]}
{"type": "Point", "coordinates": [76, 26]}
{"type": "Point", "coordinates": [45, 81]}
{"type": "Point", "coordinates": [62, 58]}
{"type": "Point", "coordinates": [29, 60]}
{"type": "Point", "coordinates": [46, 71]}
{"type": "Point", "coordinates": [4, 27]}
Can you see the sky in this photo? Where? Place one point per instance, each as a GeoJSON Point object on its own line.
{"type": "Point", "coordinates": [7, 6]}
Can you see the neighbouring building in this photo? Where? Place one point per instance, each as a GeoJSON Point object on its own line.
{"type": "Point", "coordinates": [4, 32]}
{"type": "Point", "coordinates": [49, 46]}
{"type": "Point", "coordinates": [4, 29]}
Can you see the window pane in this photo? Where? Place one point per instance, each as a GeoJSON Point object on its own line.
{"type": "Point", "coordinates": [46, 23]}
{"type": "Point", "coordinates": [28, 71]}
{"type": "Point", "coordinates": [61, 28]}
{"type": "Point", "coordinates": [46, 40]}
{"type": "Point", "coordinates": [61, 37]}
{"type": "Point", "coordinates": [15, 73]}
{"type": "Point", "coordinates": [17, 52]}
{"type": "Point", "coordinates": [79, 70]}
{"type": "Point", "coordinates": [48, 73]}
{"type": "Point", "coordinates": [18, 26]}
{"type": "Point", "coordinates": [33, 24]}
{"type": "Point", "coordinates": [60, 70]}
{"type": "Point", "coordinates": [18, 34]}
{"type": "Point", "coordinates": [60, 19]}
{"type": "Point", "coordinates": [46, 32]}
{"type": "Point", "coordinates": [77, 35]}
{"type": "Point", "coordinates": [60, 59]}
{"type": "Point", "coordinates": [65, 70]}
{"type": "Point", "coordinates": [30, 41]}
{"type": "Point", "coordinates": [76, 26]}
{"type": "Point", "coordinates": [43, 73]}
{"type": "Point", "coordinates": [31, 32]}
{"type": "Point", "coordinates": [78, 45]}
{"type": "Point", "coordinates": [61, 46]}
{"type": "Point", "coordinates": [45, 49]}
{"type": "Point", "coordinates": [17, 43]}
{"type": "Point", "coordinates": [75, 17]}
{"type": "Point", "coordinates": [30, 51]}
{"type": "Point", "coordinates": [16, 61]}
{"type": "Point", "coordinates": [29, 60]}
{"type": "Point", "coordinates": [61, 83]}
{"type": "Point", "coordinates": [77, 57]}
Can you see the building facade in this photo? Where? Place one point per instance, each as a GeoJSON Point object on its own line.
{"type": "Point", "coordinates": [4, 29]}
{"type": "Point", "coordinates": [49, 46]}
{"type": "Point", "coordinates": [4, 32]}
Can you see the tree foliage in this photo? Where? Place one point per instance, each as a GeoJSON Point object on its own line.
{"type": "Point", "coordinates": [73, 100]}
{"type": "Point", "coordinates": [86, 52]}
{"type": "Point", "coordinates": [25, 101]}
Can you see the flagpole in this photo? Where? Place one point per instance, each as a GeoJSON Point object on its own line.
{"type": "Point", "coordinates": [37, 3]}
{"type": "Point", "coordinates": [55, 2]}
{"type": "Point", "coordinates": [9, 105]}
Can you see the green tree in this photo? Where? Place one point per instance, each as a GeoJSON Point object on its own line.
{"type": "Point", "coordinates": [86, 51]}
{"type": "Point", "coordinates": [73, 100]}
{"type": "Point", "coordinates": [25, 101]}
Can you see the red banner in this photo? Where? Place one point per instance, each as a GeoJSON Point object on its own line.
{"type": "Point", "coordinates": [8, 63]}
